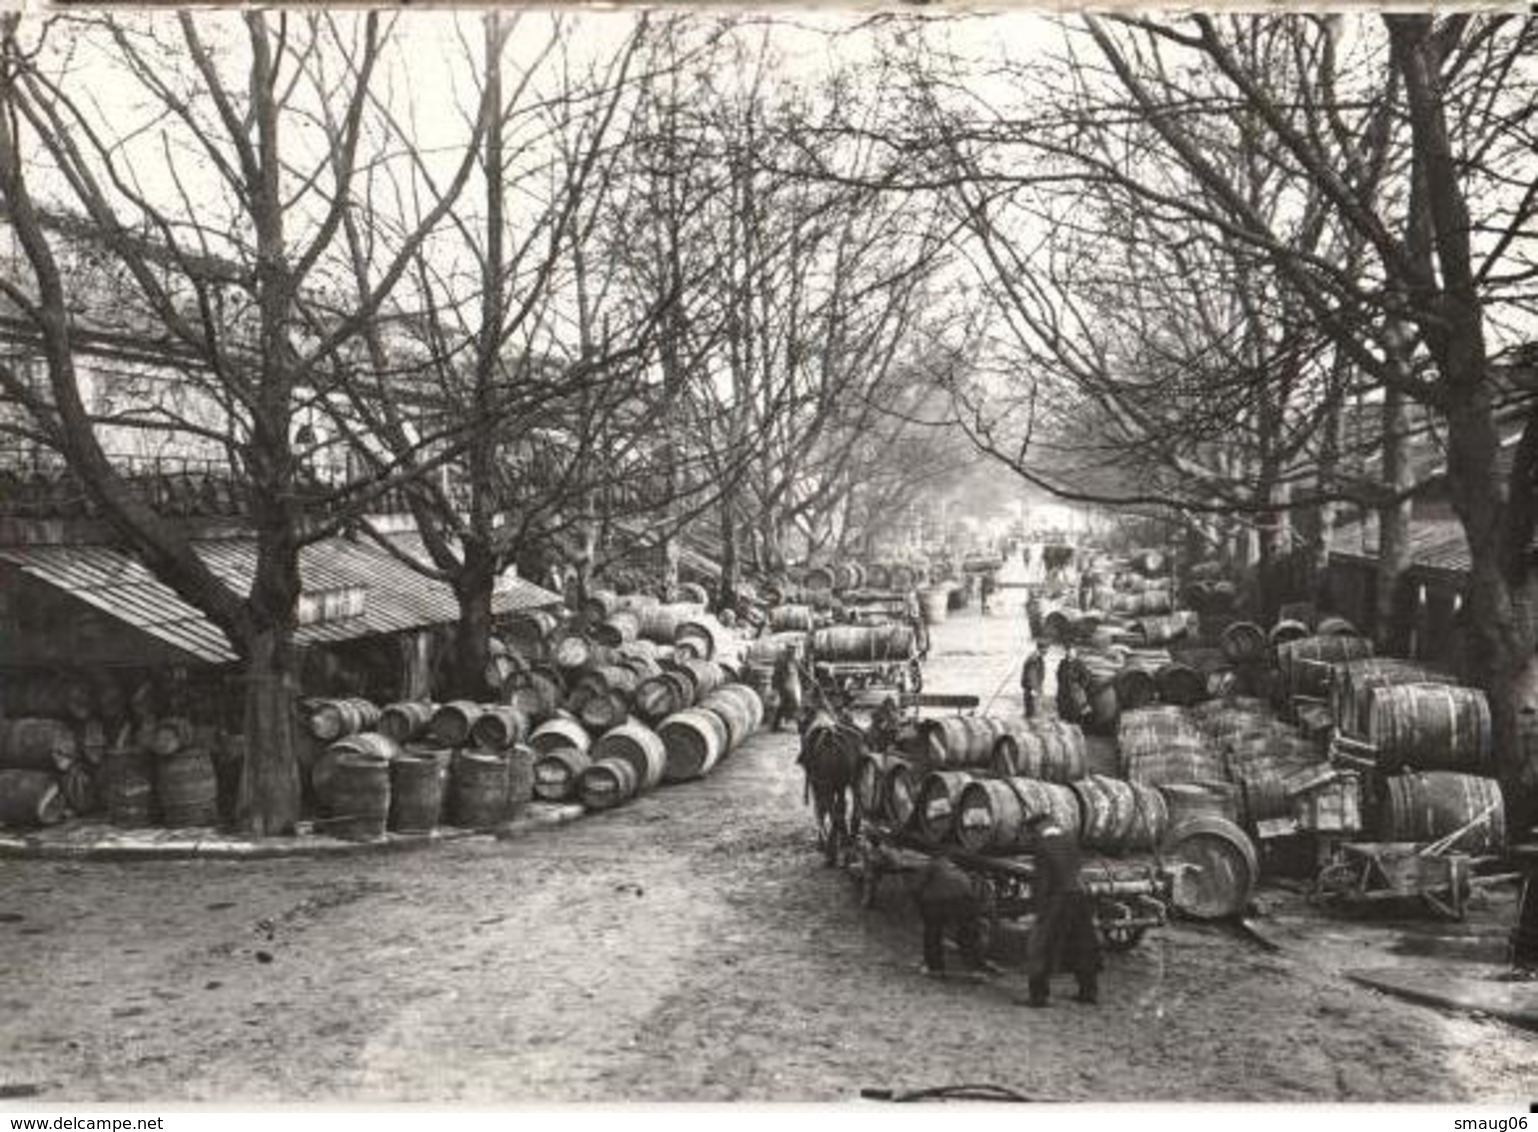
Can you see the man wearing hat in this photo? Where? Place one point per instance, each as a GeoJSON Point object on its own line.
{"type": "Point", "coordinates": [947, 901]}
{"type": "Point", "coordinates": [1064, 936]}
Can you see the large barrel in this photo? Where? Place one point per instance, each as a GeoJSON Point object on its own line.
{"type": "Point", "coordinates": [607, 783]}
{"type": "Point", "coordinates": [416, 792]}
{"type": "Point", "coordinates": [1431, 727]}
{"type": "Point", "coordinates": [1432, 805]}
{"type": "Point", "coordinates": [694, 741]}
{"type": "Point", "coordinates": [560, 734]}
{"type": "Point", "coordinates": [1226, 867]}
{"type": "Point", "coordinates": [1136, 688]}
{"type": "Point", "coordinates": [1149, 730]}
{"type": "Point", "coordinates": [661, 696]}
{"type": "Point", "coordinates": [556, 772]}
{"type": "Point", "coordinates": [600, 712]}
{"type": "Point", "coordinates": [1182, 761]}
{"type": "Point", "coordinates": [706, 637]}
{"type": "Point", "coordinates": [640, 747]}
{"type": "Point", "coordinates": [1243, 641]}
{"type": "Point", "coordinates": [536, 693]}
{"type": "Point", "coordinates": [862, 643]}
{"type": "Point", "coordinates": [740, 710]}
{"type": "Point", "coordinates": [938, 799]}
{"type": "Point", "coordinates": [791, 619]}
{"type": "Point", "coordinates": [899, 790]}
{"type": "Point", "coordinates": [704, 676]}
{"type": "Point", "coordinates": [171, 734]}
{"type": "Point", "coordinates": [572, 652]}
{"type": "Point", "coordinates": [454, 721]}
{"type": "Point", "coordinates": [1306, 664]}
{"type": "Point", "coordinates": [187, 789]}
{"type": "Point", "coordinates": [332, 719]}
{"type": "Point", "coordinates": [30, 798]}
{"type": "Point", "coordinates": [406, 722]}
{"type": "Point", "coordinates": [960, 741]}
{"type": "Point", "coordinates": [479, 789]}
{"type": "Point", "coordinates": [1286, 631]}
{"type": "Point", "coordinates": [498, 727]}
{"type": "Point", "coordinates": [36, 744]}
{"type": "Point", "coordinates": [991, 813]}
{"type": "Point", "coordinates": [617, 629]}
{"type": "Point", "coordinates": [529, 632]}
{"type": "Point", "coordinates": [1335, 627]}
{"type": "Point", "coordinates": [1119, 816]}
{"type": "Point", "coordinates": [1049, 750]}
{"type": "Point", "coordinates": [1354, 683]}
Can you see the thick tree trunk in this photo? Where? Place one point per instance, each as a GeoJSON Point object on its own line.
{"type": "Point", "coordinates": [731, 570]}
{"type": "Point", "coordinates": [1391, 620]}
{"type": "Point", "coordinates": [269, 784]}
{"type": "Point", "coordinates": [473, 587]}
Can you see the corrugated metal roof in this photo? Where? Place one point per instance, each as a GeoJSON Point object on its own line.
{"type": "Point", "coordinates": [398, 597]}
{"type": "Point", "coordinates": [1435, 544]}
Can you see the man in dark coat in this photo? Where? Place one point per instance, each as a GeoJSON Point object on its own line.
{"type": "Point", "coordinates": [1033, 675]}
{"type": "Point", "coordinates": [1064, 937]}
{"type": "Point", "coordinates": [946, 899]}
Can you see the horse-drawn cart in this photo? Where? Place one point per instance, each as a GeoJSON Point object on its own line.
{"type": "Point", "coordinates": [856, 658]}
{"type": "Point", "coordinates": [1130, 896]}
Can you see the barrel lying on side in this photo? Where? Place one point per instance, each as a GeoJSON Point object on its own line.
{"type": "Point", "coordinates": [1120, 816]}
{"type": "Point", "coordinates": [1428, 806]}
{"type": "Point", "coordinates": [1431, 727]}
{"type": "Point", "coordinates": [939, 798]}
{"type": "Point", "coordinates": [694, 741]}
{"type": "Point", "coordinates": [991, 813]}
{"type": "Point", "coordinates": [640, 747]}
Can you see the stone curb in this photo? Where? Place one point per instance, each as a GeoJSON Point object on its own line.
{"type": "Point", "coordinates": [31, 847]}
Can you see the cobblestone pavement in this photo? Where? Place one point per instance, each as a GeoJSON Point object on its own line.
{"type": "Point", "coordinates": [690, 946]}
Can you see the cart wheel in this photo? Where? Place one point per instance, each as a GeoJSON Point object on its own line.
{"type": "Point", "coordinates": [1333, 880]}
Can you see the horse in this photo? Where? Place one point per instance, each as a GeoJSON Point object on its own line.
{"type": "Point", "coordinates": [831, 748]}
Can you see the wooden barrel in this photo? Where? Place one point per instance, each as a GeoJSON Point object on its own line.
{"type": "Point", "coordinates": [36, 744]}
{"type": "Point", "coordinates": [694, 742]}
{"type": "Point", "coordinates": [617, 629]}
{"type": "Point", "coordinates": [1431, 805]}
{"type": "Point", "coordinates": [862, 643]}
{"type": "Point", "coordinates": [187, 789]}
{"type": "Point", "coordinates": [1287, 631]}
{"type": "Point", "coordinates": [640, 747]}
{"type": "Point", "coordinates": [1306, 663]}
{"type": "Point", "coordinates": [1149, 730]}
{"type": "Point", "coordinates": [30, 798]}
{"type": "Point", "coordinates": [791, 619]}
{"type": "Point", "coordinates": [130, 788]}
{"type": "Point", "coordinates": [601, 712]}
{"type": "Point", "coordinates": [1336, 627]}
{"type": "Point", "coordinates": [1353, 683]}
{"type": "Point", "coordinates": [1431, 727]}
{"type": "Point", "coordinates": [938, 800]}
{"type": "Point", "coordinates": [1181, 685]}
{"type": "Point", "coordinates": [1226, 867]}
{"type": "Point", "coordinates": [704, 676]}
{"type": "Point", "coordinates": [332, 719]}
{"type": "Point", "coordinates": [520, 778]}
{"type": "Point", "coordinates": [499, 726]}
{"type": "Point", "coordinates": [556, 771]}
{"type": "Point", "coordinates": [1181, 761]}
{"type": "Point", "coordinates": [560, 734]}
{"type": "Point", "coordinates": [1243, 641]}
{"type": "Point", "coordinates": [740, 708]}
{"type": "Point", "coordinates": [1048, 750]}
{"type": "Point", "coordinates": [571, 652]}
{"type": "Point", "coordinates": [528, 632]}
{"type": "Point", "coordinates": [1120, 816]}
{"type": "Point", "coordinates": [878, 576]}
{"type": "Point", "coordinates": [959, 741]}
{"type": "Point", "coordinates": [479, 789]}
{"type": "Point", "coordinates": [406, 722]}
{"type": "Point", "coordinates": [416, 792]}
{"type": "Point", "coordinates": [1186, 800]}
{"type": "Point", "coordinates": [705, 635]}
{"type": "Point", "coordinates": [640, 667]}
{"type": "Point", "coordinates": [535, 693]}
{"type": "Point", "coordinates": [453, 722]}
{"type": "Point", "coordinates": [606, 783]}
{"type": "Point", "coordinates": [661, 696]}
{"type": "Point", "coordinates": [991, 813]}
{"type": "Point", "coordinates": [899, 790]}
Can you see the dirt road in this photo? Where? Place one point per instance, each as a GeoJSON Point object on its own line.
{"type": "Point", "coordinates": [688, 947]}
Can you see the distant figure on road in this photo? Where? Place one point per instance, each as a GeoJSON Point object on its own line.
{"type": "Point", "coordinates": [946, 900]}
{"type": "Point", "coordinates": [1033, 677]}
{"type": "Point", "coordinates": [787, 687]}
{"type": "Point", "coordinates": [987, 589]}
{"type": "Point", "coordinates": [1064, 937]}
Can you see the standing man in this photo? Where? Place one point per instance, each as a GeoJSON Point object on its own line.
{"type": "Point", "coordinates": [1033, 676]}
{"type": "Point", "coordinates": [1064, 936]}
